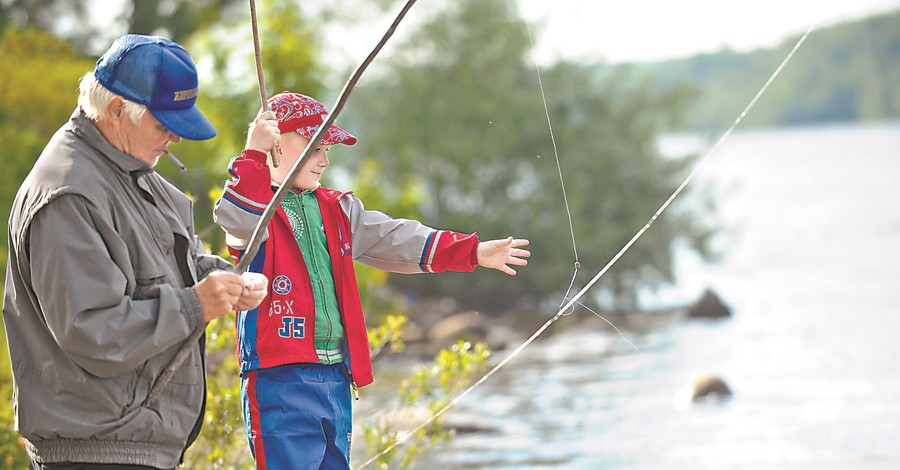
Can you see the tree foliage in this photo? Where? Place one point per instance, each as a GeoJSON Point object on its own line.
{"type": "Point", "coordinates": [38, 88]}
{"type": "Point", "coordinates": [843, 73]}
{"type": "Point", "coordinates": [430, 389]}
{"type": "Point", "coordinates": [81, 22]}
{"type": "Point", "coordinates": [230, 97]}
{"type": "Point", "coordinates": [459, 112]}
{"type": "Point", "coordinates": [12, 447]}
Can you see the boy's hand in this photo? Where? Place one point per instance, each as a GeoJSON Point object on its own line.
{"type": "Point", "coordinates": [263, 134]}
{"type": "Point", "coordinates": [222, 292]}
{"type": "Point", "coordinates": [496, 254]}
{"type": "Point", "coordinates": [254, 291]}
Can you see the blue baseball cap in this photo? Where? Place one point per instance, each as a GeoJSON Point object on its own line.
{"type": "Point", "coordinates": [159, 74]}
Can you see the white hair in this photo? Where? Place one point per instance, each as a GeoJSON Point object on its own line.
{"type": "Point", "coordinates": [93, 98]}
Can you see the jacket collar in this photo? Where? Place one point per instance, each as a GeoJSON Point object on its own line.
{"type": "Point", "coordinates": [83, 127]}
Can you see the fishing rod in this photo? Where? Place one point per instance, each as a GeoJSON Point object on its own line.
{"type": "Point", "coordinates": [571, 302]}
{"type": "Point", "coordinates": [260, 78]}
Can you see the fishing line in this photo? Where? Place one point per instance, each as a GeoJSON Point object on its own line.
{"type": "Point", "coordinates": [575, 299]}
{"type": "Point", "coordinates": [693, 172]}
{"type": "Point", "coordinates": [614, 327]}
{"type": "Point", "coordinates": [562, 184]}
{"type": "Point", "coordinates": [405, 437]}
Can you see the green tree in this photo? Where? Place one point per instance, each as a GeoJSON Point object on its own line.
{"type": "Point", "coordinates": [12, 447]}
{"type": "Point", "coordinates": [178, 19]}
{"type": "Point", "coordinates": [44, 14]}
{"type": "Point", "coordinates": [843, 73]}
{"type": "Point", "coordinates": [460, 113]}
{"type": "Point", "coordinates": [38, 91]}
{"type": "Point", "coordinates": [230, 95]}
{"type": "Point", "coordinates": [77, 21]}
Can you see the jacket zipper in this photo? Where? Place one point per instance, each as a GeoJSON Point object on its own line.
{"type": "Point", "coordinates": [315, 264]}
{"type": "Point", "coordinates": [309, 244]}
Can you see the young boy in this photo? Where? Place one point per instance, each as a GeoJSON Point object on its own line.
{"type": "Point", "coordinates": [305, 346]}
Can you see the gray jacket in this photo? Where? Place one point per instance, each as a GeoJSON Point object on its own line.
{"type": "Point", "coordinates": [102, 254]}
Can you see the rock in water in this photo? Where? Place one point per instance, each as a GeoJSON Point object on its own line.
{"type": "Point", "coordinates": [708, 306]}
{"type": "Point", "coordinates": [468, 325]}
{"type": "Point", "coordinates": [709, 387]}
{"type": "Point", "coordinates": [702, 389]}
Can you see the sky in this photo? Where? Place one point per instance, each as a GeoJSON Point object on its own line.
{"type": "Point", "coordinates": [624, 30]}
{"type": "Point", "coordinates": [642, 30]}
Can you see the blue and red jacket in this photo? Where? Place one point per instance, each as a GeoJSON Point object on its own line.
{"type": "Point", "coordinates": [281, 330]}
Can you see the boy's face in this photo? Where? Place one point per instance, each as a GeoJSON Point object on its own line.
{"type": "Point", "coordinates": [292, 145]}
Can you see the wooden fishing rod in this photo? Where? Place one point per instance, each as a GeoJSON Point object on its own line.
{"type": "Point", "coordinates": [260, 78]}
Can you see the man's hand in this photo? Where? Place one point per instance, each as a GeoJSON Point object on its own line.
{"type": "Point", "coordinates": [221, 292]}
{"type": "Point", "coordinates": [496, 254]}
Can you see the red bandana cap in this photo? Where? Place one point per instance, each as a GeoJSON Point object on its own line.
{"type": "Point", "coordinates": [304, 115]}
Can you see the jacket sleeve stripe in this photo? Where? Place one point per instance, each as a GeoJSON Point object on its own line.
{"type": "Point", "coordinates": [428, 251]}
{"type": "Point", "coordinates": [242, 202]}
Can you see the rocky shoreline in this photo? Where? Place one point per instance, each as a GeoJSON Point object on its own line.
{"type": "Point", "coordinates": [435, 324]}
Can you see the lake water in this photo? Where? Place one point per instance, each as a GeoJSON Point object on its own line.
{"type": "Point", "coordinates": [811, 270]}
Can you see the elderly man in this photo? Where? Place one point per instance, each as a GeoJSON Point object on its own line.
{"type": "Point", "coordinates": [106, 278]}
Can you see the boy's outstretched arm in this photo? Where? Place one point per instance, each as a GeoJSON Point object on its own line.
{"type": "Point", "coordinates": [496, 254]}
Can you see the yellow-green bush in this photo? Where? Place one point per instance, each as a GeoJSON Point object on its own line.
{"type": "Point", "coordinates": [12, 448]}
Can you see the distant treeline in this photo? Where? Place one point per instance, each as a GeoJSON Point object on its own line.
{"type": "Point", "coordinates": [847, 72]}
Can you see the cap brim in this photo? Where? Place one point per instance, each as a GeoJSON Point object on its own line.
{"type": "Point", "coordinates": [334, 135]}
{"type": "Point", "coordinates": [187, 123]}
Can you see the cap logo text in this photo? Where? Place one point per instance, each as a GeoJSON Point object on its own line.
{"type": "Point", "coordinates": [185, 94]}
